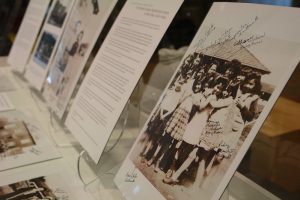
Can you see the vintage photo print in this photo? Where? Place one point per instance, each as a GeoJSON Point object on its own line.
{"type": "Point", "coordinates": [36, 188]}
{"type": "Point", "coordinates": [44, 49]}
{"type": "Point", "coordinates": [44, 181]}
{"type": "Point", "coordinates": [14, 137]}
{"type": "Point", "coordinates": [215, 103]}
{"type": "Point", "coordinates": [22, 141]}
{"type": "Point", "coordinates": [59, 12]}
{"type": "Point", "coordinates": [82, 30]}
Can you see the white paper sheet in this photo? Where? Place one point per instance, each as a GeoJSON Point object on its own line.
{"type": "Point", "coordinates": [116, 69]}
{"type": "Point", "coordinates": [46, 45]}
{"type": "Point", "coordinates": [23, 141]}
{"type": "Point", "coordinates": [27, 34]}
{"type": "Point", "coordinates": [82, 30]}
{"type": "Point", "coordinates": [5, 103]}
{"type": "Point", "coordinates": [213, 107]}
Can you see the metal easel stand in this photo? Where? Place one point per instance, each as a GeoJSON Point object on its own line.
{"type": "Point", "coordinates": [124, 124]}
{"type": "Point", "coordinates": [95, 187]}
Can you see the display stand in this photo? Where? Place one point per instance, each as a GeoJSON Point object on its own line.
{"type": "Point", "coordinates": [117, 148]}
{"type": "Point", "coordinates": [78, 168]}
{"type": "Point", "coordinates": [114, 153]}
{"type": "Point", "coordinates": [109, 148]}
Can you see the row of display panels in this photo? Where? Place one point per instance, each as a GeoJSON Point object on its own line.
{"type": "Point", "coordinates": [211, 110]}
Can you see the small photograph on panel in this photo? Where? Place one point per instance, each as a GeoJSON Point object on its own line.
{"type": "Point", "coordinates": [80, 33]}
{"type": "Point", "coordinates": [14, 137]}
{"type": "Point", "coordinates": [44, 49]}
{"type": "Point", "coordinates": [42, 188]}
{"type": "Point", "coordinates": [23, 141]}
{"type": "Point", "coordinates": [70, 52]}
{"type": "Point", "coordinates": [59, 13]}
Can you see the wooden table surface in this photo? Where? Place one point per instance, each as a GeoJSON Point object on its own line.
{"type": "Point", "coordinates": [283, 119]}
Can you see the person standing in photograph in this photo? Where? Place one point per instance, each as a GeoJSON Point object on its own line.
{"type": "Point", "coordinates": [156, 125]}
{"type": "Point", "coordinates": [74, 48]}
{"type": "Point", "coordinates": [245, 106]}
{"type": "Point", "coordinates": [175, 126]}
{"type": "Point", "coordinates": [197, 121]}
{"type": "Point", "coordinates": [235, 76]}
{"type": "Point", "coordinates": [242, 111]}
{"type": "Point", "coordinates": [95, 7]}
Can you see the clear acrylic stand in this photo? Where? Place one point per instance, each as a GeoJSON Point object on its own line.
{"type": "Point", "coordinates": [100, 183]}
{"type": "Point", "coordinates": [110, 148]}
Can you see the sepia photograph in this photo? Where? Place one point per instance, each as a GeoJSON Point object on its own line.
{"type": "Point", "coordinates": [204, 117]}
{"type": "Point", "coordinates": [23, 141]}
{"type": "Point", "coordinates": [59, 12]}
{"type": "Point", "coordinates": [210, 106]}
{"type": "Point", "coordinates": [40, 188]}
{"type": "Point", "coordinates": [52, 180]}
{"type": "Point", "coordinates": [44, 49]}
{"type": "Point", "coordinates": [14, 137]}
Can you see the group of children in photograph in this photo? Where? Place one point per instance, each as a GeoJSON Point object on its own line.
{"type": "Point", "coordinates": [201, 117]}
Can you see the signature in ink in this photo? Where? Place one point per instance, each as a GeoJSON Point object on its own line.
{"type": "Point", "coordinates": [60, 191]}
{"type": "Point", "coordinates": [247, 41]}
{"type": "Point", "coordinates": [253, 39]}
{"type": "Point", "coordinates": [207, 33]}
{"type": "Point", "coordinates": [33, 127]}
{"type": "Point", "coordinates": [35, 151]}
{"type": "Point", "coordinates": [131, 176]}
{"type": "Point", "coordinates": [63, 195]}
